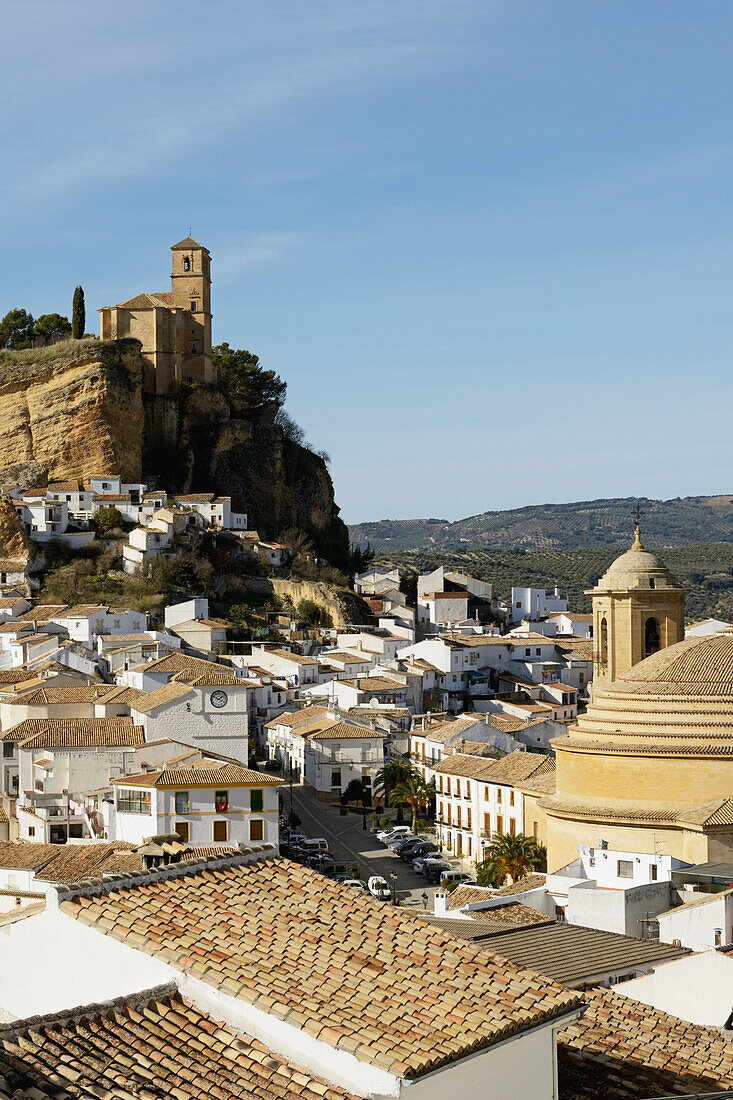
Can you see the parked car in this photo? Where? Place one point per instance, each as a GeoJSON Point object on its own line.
{"type": "Point", "coordinates": [356, 884]}
{"type": "Point", "coordinates": [323, 862]}
{"type": "Point", "coordinates": [343, 871]}
{"type": "Point", "coordinates": [314, 844]}
{"type": "Point", "coordinates": [397, 845]}
{"type": "Point", "coordinates": [391, 834]}
{"type": "Point", "coordinates": [379, 888]}
{"type": "Point", "coordinates": [405, 849]}
{"type": "Point", "coordinates": [418, 864]}
{"type": "Point", "coordinates": [273, 765]}
{"type": "Point", "coordinates": [292, 837]}
{"type": "Point", "coordinates": [410, 853]}
{"type": "Point", "coordinates": [454, 878]}
{"type": "Point", "coordinates": [434, 869]}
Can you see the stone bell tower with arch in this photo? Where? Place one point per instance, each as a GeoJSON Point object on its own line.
{"type": "Point", "coordinates": [191, 292]}
{"type": "Point", "coordinates": [638, 608]}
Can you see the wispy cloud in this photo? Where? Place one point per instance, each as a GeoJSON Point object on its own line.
{"type": "Point", "coordinates": [262, 249]}
{"type": "Point", "coordinates": [172, 106]}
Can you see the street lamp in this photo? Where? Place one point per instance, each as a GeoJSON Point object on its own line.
{"type": "Point", "coordinates": [393, 876]}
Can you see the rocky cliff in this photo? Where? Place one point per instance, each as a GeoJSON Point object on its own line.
{"type": "Point", "coordinates": [14, 544]}
{"type": "Point", "coordinates": [71, 411]}
{"type": "Point", "coordinates": [78, 409]}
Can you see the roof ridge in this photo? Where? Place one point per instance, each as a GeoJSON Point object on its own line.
{"type": "Point", "coordinates": [93, 887]}
{"type": "Point", "coordinates": [80, 1012]}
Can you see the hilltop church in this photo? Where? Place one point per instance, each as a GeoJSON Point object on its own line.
{"type": "Point", "coordinates": [173, 326]}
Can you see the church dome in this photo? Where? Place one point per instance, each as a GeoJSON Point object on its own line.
{"type": "Point", "coordinates": [637, 568]}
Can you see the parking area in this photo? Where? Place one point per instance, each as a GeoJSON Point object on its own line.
{"type": "Point", "coordinates": [348, 840]}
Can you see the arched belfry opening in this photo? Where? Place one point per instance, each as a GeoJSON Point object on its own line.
{"type": "Point", "coordinates": [186, 264]}
{"type": "Point", "coordinates": [603, 641]}
{"type": "Point", "coordinates": [651, 637]}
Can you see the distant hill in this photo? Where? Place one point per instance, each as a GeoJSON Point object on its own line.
{"type": "Point", "coordinates": [585, 523]}
{"type": "Point", "coordinates": [705, 568]}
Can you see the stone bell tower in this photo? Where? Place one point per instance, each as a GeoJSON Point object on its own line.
{"type": "Point", "coordinates": [191, 291]}
{"type": "Point", "coordinates": [638, 608]}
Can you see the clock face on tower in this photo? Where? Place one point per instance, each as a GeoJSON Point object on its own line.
{"type": "Point", "coordinates": [219, 699]}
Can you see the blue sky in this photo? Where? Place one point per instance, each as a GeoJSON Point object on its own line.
{"type": "Point", "coordinates": [487, 244]}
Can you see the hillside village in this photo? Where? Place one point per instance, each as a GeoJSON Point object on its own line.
{"type": "Point", "coordinates": [419, 839]}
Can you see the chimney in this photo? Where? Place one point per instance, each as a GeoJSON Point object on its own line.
{"type": "Point", "coordinates": [440, 903]}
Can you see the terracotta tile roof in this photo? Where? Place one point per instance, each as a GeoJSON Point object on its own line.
{"type": "Point", "coordinates": [519, 766]}
{"type": "Point", "coordinates": [43, 612]}
{"type": "Point", "coordinates": [511, 913]}
{"type": "Point", "coordinates": [375, 684]}
{"type": "Point", "coordinates": [160, 697]}
{"type": "Point", "coordinates": [507, 723]}
{"type": "Point", "coordinates": [465, 766]}
{"type": "Point", "coordinates": [77, 733]}
{"type": "Point", "coordinates": [361, 977]}
{"type": "Point", "coordinates": [151, 1044]}
{"type": "Point", "coordinates": [467, 895]}
{"type": "Point", "coordinates": [343, 731]}
{"type": "Point", "coordinates": [62, 693]}
{"type": "Point", "coordinates": [74, 862]}
{"type": "Point", "coordinates": [193, 498]}
{"type": "Point", "coordinates": [80, 611]}
{"type": "Point", "coordinates": [15, 628]}
{"type": "Point", "coordinates": [176, 662]}
{"type": "Point", "coordinates": [703, 900]}
{"type": "Point", "coordinates": [24, 855]}
{"type": "Point", "coordinates": [441, 731]}
{"type": "Point", "coordinates": [581, 648]}
{"type": "Point", "coordinates": [286, 655]}
{"type": "Point", "coordinates": [204, 773]}
{"type": "Point", "coordinates": [209, 679]}
{"type": "Point", "coordinates": [717, 812]}
{"type": "Point", "coordinates": [18, 675]}
{"type": "Point", "coordinates": [543, 783]}
{"type": "Point", "coordinates": [120, 639]}
{"type": "Point", "coordinates": [296, 717]}
{"type": "Point", "coordinates": [529, 882]}
{"type": "Point", "coordinates": [625, 1050]}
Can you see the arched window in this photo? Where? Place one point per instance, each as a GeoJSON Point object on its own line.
{"type": "Point", "coordinates": [603, 640]}
{"type": "Point", "coordinates": [186, 264]}
{"type": "Point", "coordinates": [651, 636]}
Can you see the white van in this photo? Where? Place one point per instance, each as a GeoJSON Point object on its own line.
{"type": "Point", "coordinates": [452, 877]}
{"type": "Point", "coordinates": [314, 844]}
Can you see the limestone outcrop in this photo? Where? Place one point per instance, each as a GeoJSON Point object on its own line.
{"type": "Point", "coordinates": [79, 409]}
{"type": "Point", "coordinates": [14, 543]}
{"type": "Point", "coordinates": [72, 412]}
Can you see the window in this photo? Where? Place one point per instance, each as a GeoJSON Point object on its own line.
{"type": "Point", "coordinates": [468, 818]}
{"type": "Point", "coordinates": [133, 801]}
{"type": "Point", "coordinates": [625, 868]}
{"type": "Point", "coordinates": [116, 624]}
{"type": "Point", "coordinates": [518, 604]}
{"type": "Point", "coordinates": [498, 794]}
{"type": "Point", "coordinates": [458, 817]}
{"type": "Point", "coordinates": [39, 785]}
{"type": "Point", "coordinates": [221, 801]}
{"type": "Point", "coordinates": [336, 777]}
{"type": "Point", "coordinates": [718, 937]}
{"type": "Point", "coordinates": [535, 831]}
{"type": "Point", "coordinates": [221, 830]}
{"type": "Point", "coordinates": [255, 798]}
{"type": "Point", "coordinates": [512, 827]}
{"type": "Point", "coordinates": [257, 830]}
{"type": "Point", "coordinates": [31, 830]}
{"type": "Point", "coordinates": [447, 786]}
{"type": "Point", "coordinates": [181, 802]}
{"type": "Point", "coordinates": [527, 652]}
{"type": "Point", "coordinates": [487, 823]}
{"type": "Point", "coordinates": [500, 824]}
{"type": "Point", "coordinates": [651, 636]}
{"type": "Point", "coordinates": [538, 652]}
{"type": "Point", "coordinates": [193, 307]}
{"type": "Point", "coordinates": [653, 872]}
{"type": "Point", "coordinates": [186, 264]}
{"type": "Point", "coordinates": [182, 829]}
{"type": "Point", "coordinates": [511, 797]}
{"type": "Point", "coordinates": [8, 749]}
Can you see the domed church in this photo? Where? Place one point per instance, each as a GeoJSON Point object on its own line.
{"type": "Point", "coordinates": [649, 767]}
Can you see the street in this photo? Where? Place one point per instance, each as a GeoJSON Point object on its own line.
{"type": "Point", "coordinates": [348, 840]}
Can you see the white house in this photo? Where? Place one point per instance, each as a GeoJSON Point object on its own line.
{"type": "Point", "coordinates": [84, 622]}
{"type": "Point", "coordinates": [283, 664]}
{"type": "Point", "coordinates": [374, 581]}
{"type": "Point", "coordinates": [534, 603]}
{"type": "Point", "coordinates": [701, 922]}
{"type": "Point", "coordinates": [698, 988]}
{"type": "Point", "coordinates": [209, 802]}
{"type": "Point", "coordinates": [216, 511]}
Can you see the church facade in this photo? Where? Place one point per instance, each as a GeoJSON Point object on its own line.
{"type": "Point", "coordinates": [648, 767]}
{"type": "Point", "coordinates": [173, 326]}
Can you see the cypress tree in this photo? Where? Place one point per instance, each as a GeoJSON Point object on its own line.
{"type": "Point", "coordinates": [78, 314]}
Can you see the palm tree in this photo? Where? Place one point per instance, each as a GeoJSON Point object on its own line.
{"type": "Point", "coordinates": [413, 790]}
{"type": "Point", "coordinates": [389, 776]}
{"type": "Point", "coordinates": [510, 857]}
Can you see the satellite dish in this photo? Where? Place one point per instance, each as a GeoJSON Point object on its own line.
{"type": "Point", "coordinates": [374, 702]}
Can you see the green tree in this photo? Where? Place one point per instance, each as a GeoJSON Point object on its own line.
{"type": "Point", "coordinates": [510, 857]}
{"type": "Point", "coordinates": [78, 314]}
{"type": "Point", "coordinates": [16, 329]}
{"type": "Point", "coordinates": [310, 613]}
{"type": "Point", "coordinates": [389, 775]}
{"type": "Point", "coordinates": [354, 791]}
{"type": "Point", "coordinates": [360, 559]}
{"type": "Point", "coordinates": [52, 327]}
{"type": "Point", "coordinates": [242, 378]}
{"type": "Point", "coordinates": [415, 792]}
{"type": "Point", "coordinates": [107, 519]}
